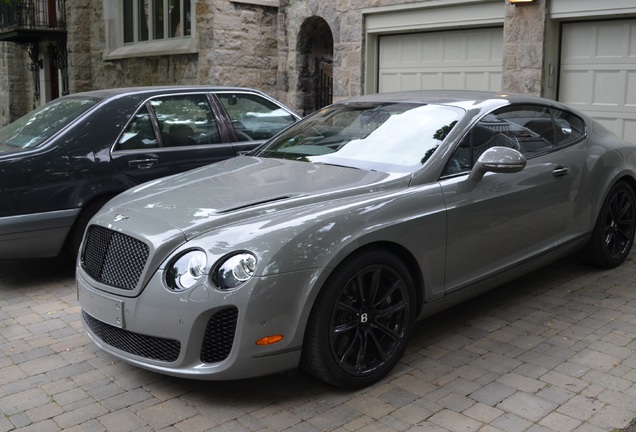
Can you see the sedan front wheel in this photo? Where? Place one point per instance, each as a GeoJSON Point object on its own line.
{"type": "Point", "coordinates": [361, 321]}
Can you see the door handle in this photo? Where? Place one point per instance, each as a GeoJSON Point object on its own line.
{"type": "Point", "coordinates": [560, 171]}
{"type": "Point", "coordinates": [143, 163]}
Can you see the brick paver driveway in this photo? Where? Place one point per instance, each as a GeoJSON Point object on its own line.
{"type": "Point", "coordinates": [554, 351]}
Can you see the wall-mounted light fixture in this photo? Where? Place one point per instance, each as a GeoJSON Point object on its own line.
{"type": "Point", "coordinates": [520, 2]}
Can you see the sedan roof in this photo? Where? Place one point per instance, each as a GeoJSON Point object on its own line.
{"type": "Point", "coordinates": [108, 93]}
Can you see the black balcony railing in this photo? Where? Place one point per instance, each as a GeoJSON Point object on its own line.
{"type": "Point", "coordinates": [32, 20]}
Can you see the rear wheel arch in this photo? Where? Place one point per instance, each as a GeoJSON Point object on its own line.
{"type": "Point", "coordinates": [615, 224]}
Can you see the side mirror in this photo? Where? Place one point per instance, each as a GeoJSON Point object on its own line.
{"type": "Point", "coordinates": [497, 160]}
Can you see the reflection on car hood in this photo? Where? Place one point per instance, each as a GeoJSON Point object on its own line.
{"type": "Point", "coordinates": [243, 187]}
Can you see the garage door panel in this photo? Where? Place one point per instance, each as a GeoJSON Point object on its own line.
{"type": "Point", "coordinates": [469, 59]}
{"type": "Point", "coordinates": [598, 71]}
{"type": "Point", "coordinates": [630, 130]}
{"type": "Point", "coordinates": [606, 87]}
{"type": "Point", "coordinates": [630, 93]}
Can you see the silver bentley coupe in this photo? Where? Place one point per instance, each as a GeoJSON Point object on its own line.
{"type": "Point", "coordinates": [321, 248]}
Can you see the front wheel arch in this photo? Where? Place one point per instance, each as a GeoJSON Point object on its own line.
{"type": "Point", "coordinates": [361, 320]}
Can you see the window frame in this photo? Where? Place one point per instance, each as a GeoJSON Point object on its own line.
{"type": "Point", "coordinates": [556, 145]}
{"type": "Point", "coordinates": [117, 49]}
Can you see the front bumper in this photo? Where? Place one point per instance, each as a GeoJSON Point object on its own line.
{"type": "Point", "coordinates": [202, 333]}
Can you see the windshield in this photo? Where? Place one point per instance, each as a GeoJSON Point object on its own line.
{"type": "Point", "coordinates": [39, 125]}
{"type": "Point", "coordinates": [388, 137]}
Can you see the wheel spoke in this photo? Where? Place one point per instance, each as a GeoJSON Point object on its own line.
{"type": "Point", "coordinates": [382, 353]}
{"type": "Point", "coordinates": [397, 307]}
{"type": "Point", "coordinates": [387, 331]}
{"type": "Point", "coordinates": [362, 352]}
{"type": "Point", "coordinates": [350, 347]}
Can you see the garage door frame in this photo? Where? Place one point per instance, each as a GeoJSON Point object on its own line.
{"type": "Point", "coordinates": [579, 11]}
{"type": "Point", "coordinates": [431, 16]}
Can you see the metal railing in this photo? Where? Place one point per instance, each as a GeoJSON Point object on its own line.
{"type": "Point", "coordinates": [33, 15]}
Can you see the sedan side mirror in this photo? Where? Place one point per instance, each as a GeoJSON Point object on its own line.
{"type": "Point", "coordinates": [497, 160]}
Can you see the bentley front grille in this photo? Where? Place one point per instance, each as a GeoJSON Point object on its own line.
{"type": "Point", "coordinates": [219, 335]}
{"type": "Point", "coordinates": [114, 258]}
{"type": "Point", "coordinates": [150, 347]}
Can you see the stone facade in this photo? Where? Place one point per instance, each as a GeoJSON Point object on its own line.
{"type": "Point", "coordinates": [260, 46]}
{"type": "Point", "coordinates": [524, 48]}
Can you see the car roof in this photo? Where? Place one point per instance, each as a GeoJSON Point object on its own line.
{"type": "Point", "coordinates": [152, 90]}
{"type": "Point", "coordinates": [453, 97]}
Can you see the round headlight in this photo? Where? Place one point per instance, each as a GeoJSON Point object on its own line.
{"type": "Point", "coordinates": [234, 270]}
{"type": "Point", "coordinates": [184, 272]}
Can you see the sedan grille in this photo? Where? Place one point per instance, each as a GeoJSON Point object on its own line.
{"type": "Point", "coordinates": [219, 335]}
{"type": "Point", "coordinates": [151, 347]}
{"type": "Point", "coordinates": [114, 258]}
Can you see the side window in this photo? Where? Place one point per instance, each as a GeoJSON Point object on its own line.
{"type": "Point", "coordinates": [185, 120]}
{"type": "Point", "coordinates": [139, 134]}
{"type": "Point", "coordinates": [569, 128]}
{"type": "Point", "coordinates": [254, 117]}
{"type": "Point", "coordinates": [526, 128]}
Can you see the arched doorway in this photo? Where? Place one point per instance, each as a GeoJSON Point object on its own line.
{"type": "Point", "coordinates": [315, 51]}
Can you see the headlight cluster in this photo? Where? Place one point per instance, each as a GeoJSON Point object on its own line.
{"type": "Point", "coordinates": [186, 270]}
{"type": "Point", "coordinates": [189, 268]}
{"type": "Point", "coordinates": [234, 270]}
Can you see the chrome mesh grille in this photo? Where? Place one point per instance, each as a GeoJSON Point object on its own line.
{"type": "Point", "coordinates": [114, 258]}
{"type": "Point", "coordinates": [140, 345]}
{"type": "Point", "coordinates": [219, 335]}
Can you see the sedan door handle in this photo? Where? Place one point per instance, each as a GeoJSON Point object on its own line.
{"type": "Point", "coordinates": [144, 163]}
{"type": "Point", "coordinates": [560, 171]}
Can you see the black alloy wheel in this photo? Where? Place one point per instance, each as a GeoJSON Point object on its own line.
{"type": "Point", "coordinates": [613, 234]}
{"type": "Point", "coordinates": [361, 321]}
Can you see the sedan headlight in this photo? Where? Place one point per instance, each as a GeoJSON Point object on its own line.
{"type": "Point", "coordinates": [234, 270]}
{"type": "Point", "coordinates": [185, 271]}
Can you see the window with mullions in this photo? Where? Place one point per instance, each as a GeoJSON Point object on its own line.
{"type": "Point", "coordinates": [152, 20]}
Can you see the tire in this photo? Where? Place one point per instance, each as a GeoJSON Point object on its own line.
{"type": "Point", "coordinates": [75, 236]}
{"type": "Point", "coordinates": [361, 321]}
{"type": "Point", "coordinates": [613, 234]}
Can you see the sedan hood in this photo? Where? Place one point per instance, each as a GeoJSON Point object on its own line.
{"type": "Point", "coordinates": [240, 188]}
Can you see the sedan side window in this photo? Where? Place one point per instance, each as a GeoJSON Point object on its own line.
{"type": "Point", "coordinates": [139, 134]}
{"type": "Point", "coordinates": [185, 120]}
{"type": "Point", "coordinates": [254, 118]}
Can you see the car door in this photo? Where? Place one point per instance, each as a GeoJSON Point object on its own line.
{"type": "Point", "coordinates": [505, 218]}
{"type": "Point", "coordinates": [253, 118]}
{"type": "Point", "coordinates": [171, 134]}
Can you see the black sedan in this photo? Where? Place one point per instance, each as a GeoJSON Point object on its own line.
{"type": "Point", "coordinates": [60, 163]}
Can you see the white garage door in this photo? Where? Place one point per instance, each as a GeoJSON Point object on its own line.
{"type": "Point", "coordinates": [461, 59]}
{"type": "Point", "coordinates": [598, 72]}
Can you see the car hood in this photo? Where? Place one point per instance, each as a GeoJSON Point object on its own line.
{"type": "Point", "coordinates": [238, 189]}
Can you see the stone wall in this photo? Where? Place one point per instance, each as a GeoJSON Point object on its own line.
{"type": "Point", "coordinates": [241, 44]}
{"type": "Point", "coordinates": [524, 48]}
{"type": "Point", "coordinates": [16, 83]}
{"type": "Point", "coordinates": [524, 34]}
{"type": "Point", "coordinates": [237, 46]}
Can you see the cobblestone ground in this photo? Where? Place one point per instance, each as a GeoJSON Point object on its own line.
{"type": "Point", "coordinates": [554, 351]}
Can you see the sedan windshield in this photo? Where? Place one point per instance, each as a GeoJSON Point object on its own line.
{"type": "Point", "coordinates": [388, 137]}
{"type": "Point", "coordinates": [39, 125]}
